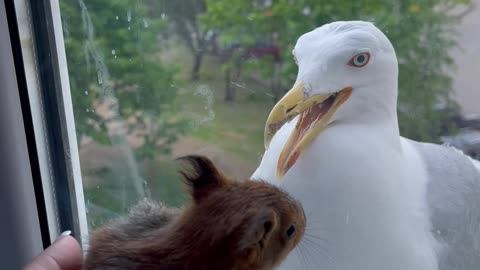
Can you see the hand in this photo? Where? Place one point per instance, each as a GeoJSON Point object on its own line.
{"type": "Point", "coordinates": [63, 254]}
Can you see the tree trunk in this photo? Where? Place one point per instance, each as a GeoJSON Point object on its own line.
{"type": "Point", "coordinates": [229, 90]}
{"type": "Point", "coordinates": [275, 82]}
{"type": "Point", "coordinates": [197, 63]}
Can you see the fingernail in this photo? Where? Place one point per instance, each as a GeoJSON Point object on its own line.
{"type": "Point", "coordinates": [63, 234]}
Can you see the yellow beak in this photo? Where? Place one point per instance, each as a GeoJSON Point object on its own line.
{"type": "Point", "coordinates": [315, 113]}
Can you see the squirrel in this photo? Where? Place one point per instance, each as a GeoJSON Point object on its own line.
{"type": "Point", "coordinates": [230, 225]}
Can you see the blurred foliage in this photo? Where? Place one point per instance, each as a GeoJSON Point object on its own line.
{"type": "Point", "coordinates": [182, 17]}
{"type": "Point", "coordinates": [112, 49]}
{"type": "Point", "coordinates": [421, 31]}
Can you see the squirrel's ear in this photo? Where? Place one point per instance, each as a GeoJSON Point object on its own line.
{"type": "Point", "coordinates": [203, 176]}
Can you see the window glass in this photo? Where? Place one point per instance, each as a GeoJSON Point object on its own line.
{"type": "Point", "coordinates": [154, 80]}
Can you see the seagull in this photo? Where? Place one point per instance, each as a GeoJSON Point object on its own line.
{"type": "Point", "coordinates": [373, 200]}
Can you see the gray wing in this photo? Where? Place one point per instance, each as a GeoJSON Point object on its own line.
{"type": "Point", "coordinates": [453, 195]}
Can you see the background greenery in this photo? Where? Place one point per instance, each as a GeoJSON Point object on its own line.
{"type": "Point", "coordinates": [154, 79]}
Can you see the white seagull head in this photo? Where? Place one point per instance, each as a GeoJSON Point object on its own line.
{"type": "Point", "coordinates": [347, 72]}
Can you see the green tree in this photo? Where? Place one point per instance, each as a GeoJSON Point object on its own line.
{"type": "Point", "coordinates": [116, 77]}
{"type": "Point", "coordinates": [182, 16]}
{"type": "Point", "coordinates": [112, 49]}
{"type": "Point", "coordinates": [421, 31]}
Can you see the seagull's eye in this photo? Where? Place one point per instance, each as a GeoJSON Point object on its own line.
{"type": "Point", "coordinates": [359, 60]}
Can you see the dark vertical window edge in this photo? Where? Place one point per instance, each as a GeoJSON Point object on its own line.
{"type": "Point", "coordinates": [49, 84]}
{"type": "Point", "coordinates": [27, 120]}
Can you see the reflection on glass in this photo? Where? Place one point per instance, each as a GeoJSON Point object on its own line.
{"type": "Point", "coordinates": [154, 80]}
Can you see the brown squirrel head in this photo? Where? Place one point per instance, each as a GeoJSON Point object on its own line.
{"type": "Point", "coordinates": [250, 224]}
{"type": "Point", "coordinates": [229, 225]}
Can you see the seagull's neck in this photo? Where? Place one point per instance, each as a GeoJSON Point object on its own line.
{"type": "Point", "coordinates": [373, 107]}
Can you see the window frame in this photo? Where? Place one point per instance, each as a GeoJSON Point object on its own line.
{"type": "Point", "coordinates": [20, 228]}
{"type": "Point", "coordinates": [49, 103]}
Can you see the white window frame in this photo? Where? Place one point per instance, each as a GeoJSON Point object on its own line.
{"type": "Point", "coordinates": [48, 152]}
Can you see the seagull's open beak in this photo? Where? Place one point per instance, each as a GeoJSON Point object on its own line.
{"type": "Point", "coordinates": [315, 113]}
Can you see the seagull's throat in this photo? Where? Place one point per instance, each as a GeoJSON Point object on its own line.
{"type": "Point", "coordinates": [312, 121]}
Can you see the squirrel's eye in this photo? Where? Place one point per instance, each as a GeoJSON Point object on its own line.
{"type": "Point", "coordinates": [359, 60]}
{"type": "Point", "coordinates": [291, 231]}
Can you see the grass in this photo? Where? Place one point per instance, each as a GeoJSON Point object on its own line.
{"type": "Point", "coordinates": [113, 197]}
{"type": "Point", "coordinates": [236, 127]}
